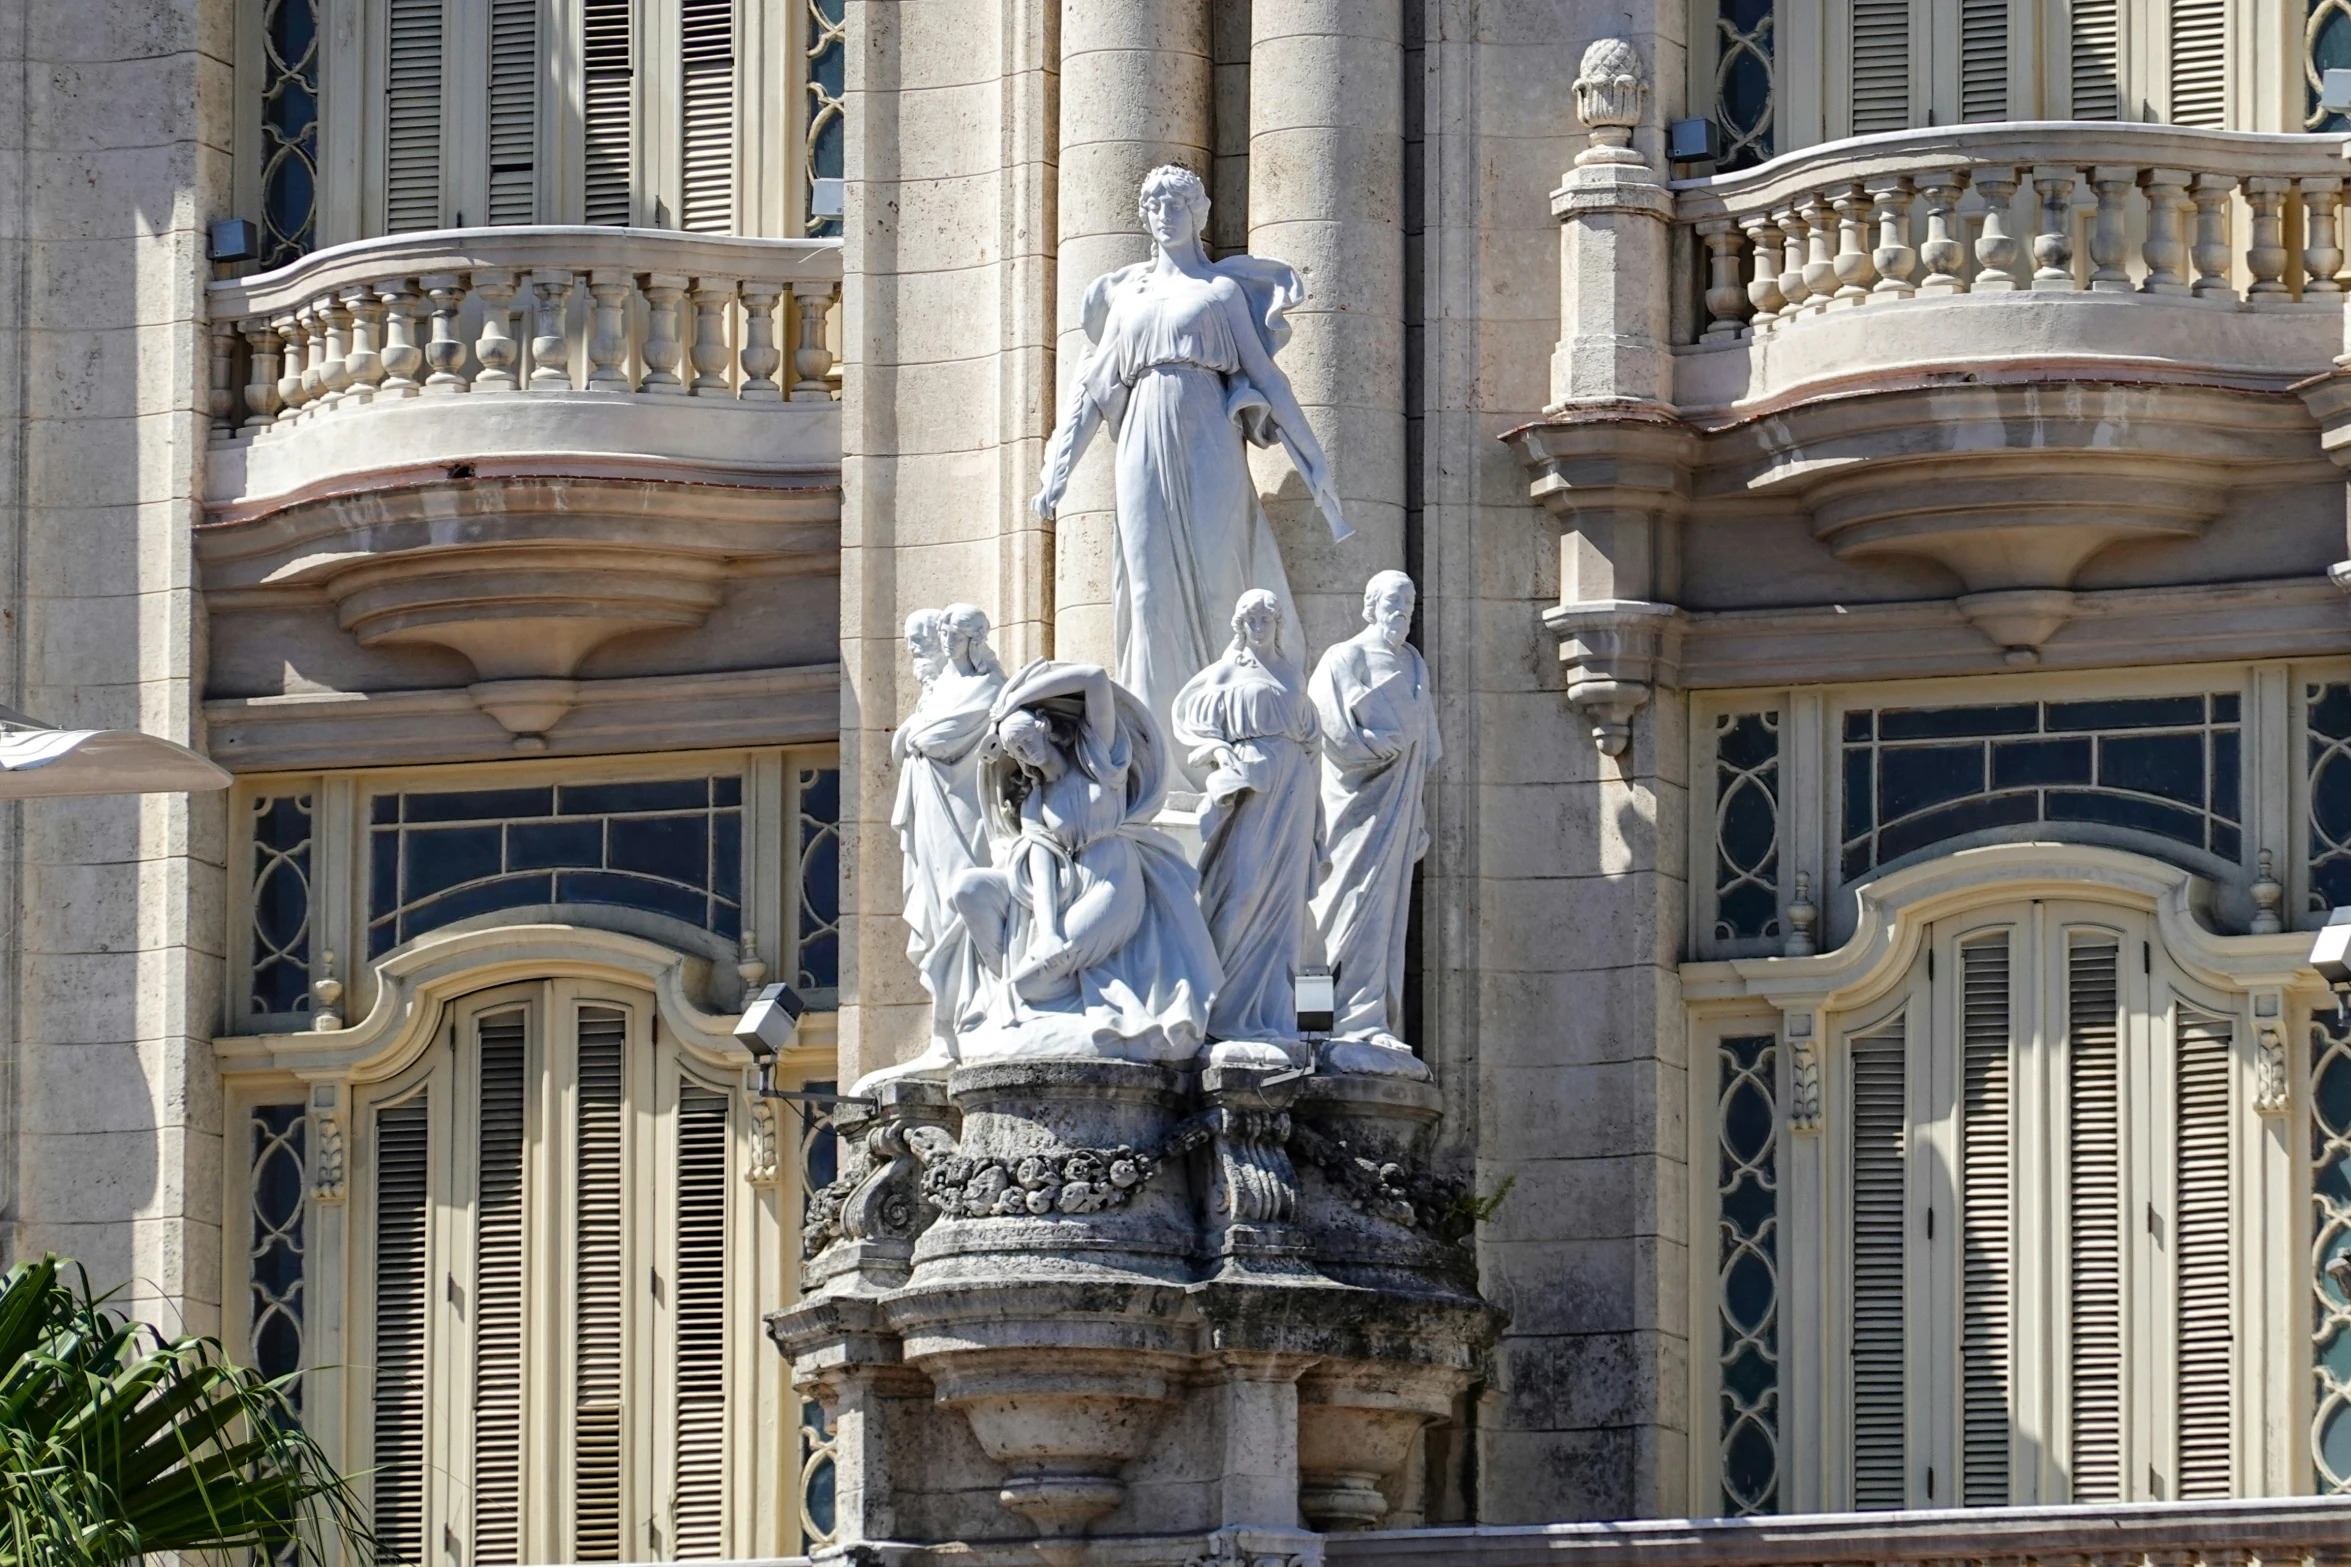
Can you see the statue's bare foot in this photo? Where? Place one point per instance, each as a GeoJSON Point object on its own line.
{"type": "Point", "coordinates": [934, 1063]}
{"type": "Point", "coordinates": [1252, 1053]}
{"type": "Point", "coordinates": [1377, 1055]}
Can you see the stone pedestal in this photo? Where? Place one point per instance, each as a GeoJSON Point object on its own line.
{"type": "Point", "coordinates": [1153, 1316]}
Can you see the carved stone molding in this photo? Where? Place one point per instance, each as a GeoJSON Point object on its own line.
{"type": "Point", "coordinates": [1611, 87]}
{"type": "Point", "coordinates": [1618, 652]}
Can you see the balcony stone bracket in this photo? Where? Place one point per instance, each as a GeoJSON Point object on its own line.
{"type": "Point", "coordinates": [523, 577]}
{"type": "Point", "coordinates": [2328, 398]}
{"type": "Point", "coordinates": [1076, 1339]}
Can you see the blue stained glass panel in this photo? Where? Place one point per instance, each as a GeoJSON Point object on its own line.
{"type": "Point", "coordinates": [1747, 1278]}
{"type": "Point", "coordinates": [1746, 826]}
{"type": "Point", "coordinates": [280, 935]}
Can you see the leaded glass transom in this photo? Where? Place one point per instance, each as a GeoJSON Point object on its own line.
{"type": "Point", "coordinates": [274, 1275]}
{"type": "Point", "coordinates": [820, 881]}
{"type": "Point", "coordinates": [280, 937]}
{"type": "Point", "coordinates": [2330, 1241]}
{"type": "Point", "coordinates": [828, 46]}
{"type": "Point", "coordinates": [1746, 825]}
{"type": "Point", "coordinates": [671, 846]}
{"type": "Point", "coordinates": [1743, 95]}
{"type": "Point", "coordinates": [2167, 767]}
{"type": "Point", "coordinates": [289, 130]}
{"type": "Point", "coordinates": [1748, 1275]}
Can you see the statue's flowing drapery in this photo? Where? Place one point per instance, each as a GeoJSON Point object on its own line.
{"type": "Point", "coordinates": [1377, 823]}
{"type": "Point", "coordinates": [1165, 371]}
{"type": "Point", "coordinates": [1261, 836]}
{"type": "Point", "coordinates": [941, 834]}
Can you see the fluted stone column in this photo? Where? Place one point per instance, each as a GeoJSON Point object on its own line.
{"type": "Point", "coordinates": [1326, 195]}
{"type": "Point", "coordinates": [1136, 90]}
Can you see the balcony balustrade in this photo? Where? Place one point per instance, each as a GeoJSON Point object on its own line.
{"type": "Point", "coordinates": [652, 350]}
{"type": "Point", "coordinates": [2031, 250]}
{"type": "Point", "coordinates": [2294, 1531]}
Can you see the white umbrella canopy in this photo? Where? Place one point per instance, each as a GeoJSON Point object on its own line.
{"type": "Point", "coordinates": [38, 762]}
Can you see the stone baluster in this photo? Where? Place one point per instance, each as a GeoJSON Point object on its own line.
{"type": "Point", "coordinates": [262, 401]}
{"type": "Point", "coordinates": [314, 360]}
{"type": "Point", "coordinates": [444, 352]}
{"type": "Point", "coordinates": [1996, 250]}
{"type": "Point", "coordinates": [1820, 251]}
{"type": "Point", "coordinates": [402, 358]}
{"type": "Point", "coordinates": [290, 333]}
{"type": "Point", "coordinates": [1890, 199]}
{"type": "Point", "coordinates": [2266, 257]}
{"type": "Point", "coordinates": [663, 349]}
{"type": "Point", "coordinates": [2214, 250]}
{"type": "Point", "coordinates": [2165, 251]}
{"type": "Point", "coordinates": [2053, 244]}
{"type": "Point", "coordinates": [608, 340]}
{"type": "Point", "coordinates": [222, 398]}
{"type": "Point", "coordinates": [1726, 301]}
{"type": "Point", "coordinates": [1942, 252]}
{"type": "Point", "coordinates": [550, 348]}
{"type": "Point", "coordinates": [761, 357]}
{"type": "Point", "coordinates": [496, 348]}
{"type": "Point", "coordinates": [366, 359]}
{"type": "Point", "coordinates": [1792, 229]}
{"type": "Point", "coordinates": [1855, 271]}
{"type": "Point", "coordinates": [812, 361]}
{"type": "Point", "coordinates": [712, 356]}
{"type": "Point", "coordinates": [2110, 228]}
{"type": "Point", "coordinates": [334, 372]}
{"type": "Point", "coordinates": [1763, 287]}
{"type": "Point", "coordinates": [2322, 248]}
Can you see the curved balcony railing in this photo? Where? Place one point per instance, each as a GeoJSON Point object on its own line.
{"type": "Point", "coordinates": [2238, 228]}
{"type": "Point", "coordinates": [593, 339]}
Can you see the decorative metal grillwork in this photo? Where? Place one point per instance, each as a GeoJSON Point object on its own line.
{"type": "Point", "coordinates": [820, 882]}
{"type": "Point", "coordinates": [289, 129]}
{"type": "Point", "coordinates": [1746, 825]}
{"type": "Point", "coordinates": [819, 1158]}
{"type": "Point", "coordinates": [274, 1274]}
{"type": "Point", "coordinates": [828, 48]}
{"type": "Point", "coordinates": [1744, 96]}
{"type": "Point", "coordinates": [2330, 1241]}
{"type": "Point", "coordinates": [670, 846]}
{"type": "Point", "coordinates": [2167, 767]}
{"type": "Point", "coordinates": [2326, 45]}
{"type": "Point", "coordinates": [1748, 1278]}
{"type": "Point", "coordinates": [281, 905]}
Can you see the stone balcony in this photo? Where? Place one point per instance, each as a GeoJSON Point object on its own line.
{"type": "Point", "coordinates": [495, 454]}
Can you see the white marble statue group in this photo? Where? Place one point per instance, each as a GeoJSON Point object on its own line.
{"type": "Point", "coordinates": [1049, 914]}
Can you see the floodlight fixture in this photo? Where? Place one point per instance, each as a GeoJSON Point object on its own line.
{"type": "Point", "coordinates": [2334, 91]}
{"type": "Point", "coordinates": [41, 761]}
{"type": "Point", "coordinates": [2330, 954]}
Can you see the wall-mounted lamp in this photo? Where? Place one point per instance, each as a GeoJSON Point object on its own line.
{"type": "Point", "coordinates": [768, 1026]}
{"type": "Point", "coordinates": [41, 761]}
{"type": "Point", "coordinates": [2330, 954]}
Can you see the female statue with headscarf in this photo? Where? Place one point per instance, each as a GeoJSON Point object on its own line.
{"type": "Point", "coordinates": [1181, 369]}
{"type": "Point", "coordinates": [1087, 923]}
{"type": "Point", "coordinates": [1248, 718]}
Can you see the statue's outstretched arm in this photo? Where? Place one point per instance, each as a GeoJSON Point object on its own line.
{"type": "Point", "coordinates": [1067, 680]}
{"type": "Point", "coordinates": [1078, 422]}
{"type": "Point", "coordinates": [1288, 418]}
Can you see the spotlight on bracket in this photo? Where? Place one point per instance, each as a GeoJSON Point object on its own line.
{"type": "Point", "coordinates": [2330, 954]}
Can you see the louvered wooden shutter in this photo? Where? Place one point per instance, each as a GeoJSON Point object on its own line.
{"type": "Point", "coordinates": [1881, 65]}
{"type": "Point", "coordinates": [1983, 60]}
{"type": "Point", "coordinates": [2097, 55]}
{"type": "Point", "coordinates": [596, 1413]}
{"type": "Point", "coordinates": [2201, 1236]}
{"type": "Point", "coordinates": [497, 1296]}
{"type": "Point", "coordinates": [514, 110]}
{"type": "Point", "coordinates": [1881, 1201]}
{"type": "Point", "coordinates": [608, 110]}
{"type": "Point", "coordinates": [2094, 1137]}
{"type": "Point", "coordinates": [403, 1147]}
{"type": "Point", "coordinates": [1984, 1221]}
{"type": "Point", "coordinates": [2199, 62]}
{"type": "Point", "coordinates": [412, 117]}
{"type": "Point", "coordinates": [701, 1321]}
{"type": "Point", "coordinates": [707, 132]}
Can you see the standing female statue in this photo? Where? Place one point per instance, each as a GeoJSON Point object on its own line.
{"type": "Point", "coordinates": [1379, 741]}
{"type": "Point", "coordinates": [1181, 370]}
{"type": "Point", "coordinates": [1087, 923]}
{"type": "Point", "coordinates": [941, 832]}
{"type": "Point", "coordinates": [1249, 716]}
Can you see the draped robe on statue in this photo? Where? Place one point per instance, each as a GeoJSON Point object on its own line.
{"type": "Point", "coordinates": [1088, 923]}
{"type": "Point", "coordinates": [1261, 835]}
{"type": "Point", "coordinates": [1376, 819]}
{"type": "Point", "coordinates": [1165, 371]}
{"type": "Point", "coordinates": [941, 834]}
